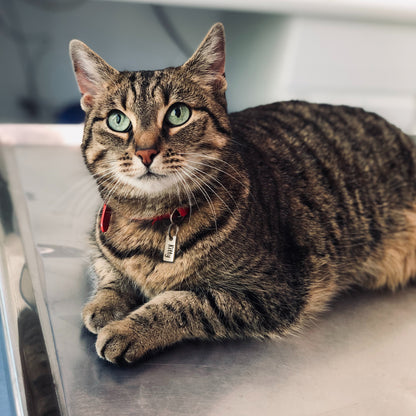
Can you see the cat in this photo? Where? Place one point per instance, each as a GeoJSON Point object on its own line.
{"type": "Point", "coordinates": [226, 226]}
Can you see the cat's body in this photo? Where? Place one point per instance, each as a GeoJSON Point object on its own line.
{"type": "Point", "coordinates": [287, 205]}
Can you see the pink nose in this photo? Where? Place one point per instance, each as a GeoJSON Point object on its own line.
{"type": "Point", "coordinates": [147, 156]}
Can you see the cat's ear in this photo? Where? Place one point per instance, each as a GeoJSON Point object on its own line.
{"type": "Point", "coordinates": [91, 72]}
{"type": "Point", "coordinates": [208, 61]}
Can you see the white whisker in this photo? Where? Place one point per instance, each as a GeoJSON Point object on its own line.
{"type": "Point", "coordinates": [69, 199]}
{"type": "Point", "coordinates": [203, 183]}
{"type": "Point", "coordinates": [216, 167]}
{"type": "Point", "coordinates": [203, 174]}
{"type": "Point", "coordinates": [187, 190]}
{"type": "Point", "coordinates": [204, 193]}
{"type": "Point", "coordinates": [216, 159]}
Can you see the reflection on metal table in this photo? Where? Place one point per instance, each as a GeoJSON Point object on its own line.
{"type": "Point", "coordinates": [359, 358]}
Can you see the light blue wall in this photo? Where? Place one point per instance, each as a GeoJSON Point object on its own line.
{"type": "Point", "coordinates": [127, 35]}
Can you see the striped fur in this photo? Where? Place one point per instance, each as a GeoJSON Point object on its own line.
{"type": "Point", "coordinates": [290, 204]}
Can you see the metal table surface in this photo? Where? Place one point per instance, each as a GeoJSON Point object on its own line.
{"type": "Point", "coordinates": [358, 358]}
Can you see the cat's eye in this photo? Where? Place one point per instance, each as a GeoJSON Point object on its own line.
{"type": "Point", "coordinates": [118, 121]}
{"type": "Point", "coordinates": [178, 114]}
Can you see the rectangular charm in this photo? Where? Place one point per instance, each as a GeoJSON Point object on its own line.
{"type": "Point", "coordinates": [170, 249]}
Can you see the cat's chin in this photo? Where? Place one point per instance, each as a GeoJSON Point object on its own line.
{"type": "Point", "coordinates": [153, 184]}
{"type": "Point", "coordinates": [150, 176]}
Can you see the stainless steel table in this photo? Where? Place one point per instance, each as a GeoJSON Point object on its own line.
{"type": "Point", "coordinates": [358, 359]}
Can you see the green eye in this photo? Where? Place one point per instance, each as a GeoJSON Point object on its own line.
{"type": "Point", "coordinates": [118, 121]}
{"type": "Point", "coordinates": [178, 114]}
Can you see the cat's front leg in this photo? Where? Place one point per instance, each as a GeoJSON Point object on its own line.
{"type": "Point", "coordinates": [174, 316]}
{"type": "Point", "coordinates": [113, 298]}
{"type": "Point", "coordinates": [166, 319]}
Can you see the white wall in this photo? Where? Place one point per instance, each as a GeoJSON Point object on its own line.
{"type": "Point", "coordinates": [370, 64]}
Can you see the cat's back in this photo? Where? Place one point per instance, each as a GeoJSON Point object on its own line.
{"type": "Point", "coordinates": [344, 146]}
{"type": "Point", "coordinates": [335, 184]}
{"type": "Point", "coordinates": [310, 125]}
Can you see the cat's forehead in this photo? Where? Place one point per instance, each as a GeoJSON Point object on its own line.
{"type": "Point", "coordinates": [144, 85]}
{"type": "Point", "coordinates": [160, 86]}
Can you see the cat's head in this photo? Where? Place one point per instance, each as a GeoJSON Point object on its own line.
{"type": "Point", "coordinates": [154, 133]}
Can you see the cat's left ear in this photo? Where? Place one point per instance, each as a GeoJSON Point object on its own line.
{"type": "Point", "coordinates": [208, 61]}
{"type": "Point", "coordinates": [91, 72]}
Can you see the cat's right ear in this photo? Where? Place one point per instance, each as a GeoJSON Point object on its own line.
{"type": "Point", "coordinates": [208, 61]}
{"type": "Point", "coordinates": [91, 72]}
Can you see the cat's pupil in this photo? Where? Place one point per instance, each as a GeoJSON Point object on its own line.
{"type": "Point", "coordinates": [118, 119]}
{"type": "Point", "coordinates": [178, 112]}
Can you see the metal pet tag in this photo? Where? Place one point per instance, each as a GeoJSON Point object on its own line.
{"type": "Point", "coordinates": [170, 245]}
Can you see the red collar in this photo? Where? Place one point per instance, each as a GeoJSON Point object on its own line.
{"type": "Point", "coordinates": [181, 212]}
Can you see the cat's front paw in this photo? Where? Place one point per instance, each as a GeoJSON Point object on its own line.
{"type": "Point", "coordinates": [119, 342]}
{"type": "Point", "coordinates": [97, 314]}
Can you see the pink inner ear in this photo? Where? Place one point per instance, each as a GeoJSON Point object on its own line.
{"type": "Point", "coordinates": [86, 86]}
{"type": "Point", "coordinates": [218, 65]}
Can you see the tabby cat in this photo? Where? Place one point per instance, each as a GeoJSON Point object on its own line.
{"type": "Point", "coordinates": [218, 225]}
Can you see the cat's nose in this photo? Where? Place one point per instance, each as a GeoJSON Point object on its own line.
{"type": "Point", "coordinates": [147, 156]}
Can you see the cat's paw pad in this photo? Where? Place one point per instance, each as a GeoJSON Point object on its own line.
{"type": "Point", "coordinates": [119, 343]}
{"type": "Point", "coordinates": [97, 315]}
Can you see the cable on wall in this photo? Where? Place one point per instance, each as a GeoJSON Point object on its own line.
{"type": "Point", "coordinates": [171, 31]}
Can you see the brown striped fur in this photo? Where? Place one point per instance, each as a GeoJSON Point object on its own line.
{"type": "Point", "coordinates": [290, 204]}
